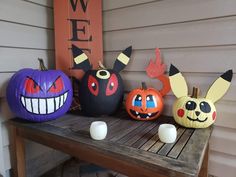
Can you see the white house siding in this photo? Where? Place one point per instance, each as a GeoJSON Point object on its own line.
{"type": "Point", "coordinates": [26, 33]}
{"type": "Point", "coordinates": [196, 36]}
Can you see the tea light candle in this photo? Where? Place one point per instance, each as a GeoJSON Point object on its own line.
{"type": "Point", "coordinates": [98, 130]}
{"type": "Point", "coordinates": [167, 133]}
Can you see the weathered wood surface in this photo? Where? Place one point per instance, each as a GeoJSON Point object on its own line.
{"type": "Point", "coordinates": [131, 147]}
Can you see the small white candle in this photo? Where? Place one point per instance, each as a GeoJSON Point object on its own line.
{"type": "Point", "coordinates": [98, 130]}
{"type": "Point", "coordinates": [167, 133]}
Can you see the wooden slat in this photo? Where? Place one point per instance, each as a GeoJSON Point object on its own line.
{"type": "Point", "coordinates": [166, 12]}
{"type": "Point", "coordinates": [203, 81]}
{"type": "Point", "coordinates": [207, 60]}
{"type": "Point", "coordinates": [114, 4]}
{"type": "Point", "coordinates": [175, 151]}
{"type": "Point", "coordinates": [167, 147]}
{"type": "Point", "coordinates": [150, 142]}
{"type": "Point", "coordinates": [156, 146]}
{"type": "Point", "coordinates": [140, 134]}
{"type": "Point", "coordinates": [21, 36]}
{"type": "Point", "coordinates": [191, 34]}
{"type": "Point", "coordinates": [26, 13]}
{"type": "Point", "coordinates": [14, 59]}
{"type": "Point", "coordinates": [47, 3]}
{"type": "Point", "coordinates": [190, 152]}
{"type": "Point", "coordinates": [128, 130]}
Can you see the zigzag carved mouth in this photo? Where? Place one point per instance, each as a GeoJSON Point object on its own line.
{"type": "Point", "coordinates": [43, 106]}
{"type": "Point", "coordinates": [143, 115]}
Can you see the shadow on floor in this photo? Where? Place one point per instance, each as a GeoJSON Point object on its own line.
{"type": "Point", "coordinates": [77, 168]}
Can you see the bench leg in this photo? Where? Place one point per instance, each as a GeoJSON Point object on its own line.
{"type": "Point", "coordinates": [18, 153]}
{"type": "Point", "coordinates": [204, 168]}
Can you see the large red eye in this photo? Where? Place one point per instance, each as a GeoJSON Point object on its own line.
{"type": "Point", "coordinates": [57, 86]}
{"type": "Point", "coordinates": [112, 85]}
{"type": "Point", "coordinates": [31, 86]}
{"type": "Point", "coordinates": [93, 85]}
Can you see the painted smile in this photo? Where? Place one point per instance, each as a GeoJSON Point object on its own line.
{"type": "Point", "coordinates": [142, 115]}
{"type": "Point", "coordinates": [198, 120]}
{"type": "Point", "coordinates": [43, 106]}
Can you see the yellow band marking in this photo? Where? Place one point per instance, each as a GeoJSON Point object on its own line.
{"type": "Point", "coordinates": [123, 58]}
{"type": "Point", "coordinates": [79, 59]}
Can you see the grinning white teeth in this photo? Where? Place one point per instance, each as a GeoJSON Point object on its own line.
{"type": "Point", "coordinates": [147, 117]}
{"type": "Point", "coordinates": [136, 112]}
{"type": "Point", "coordinates": [149, 114]}
{"type": "Point", "coordinates": [138, 117]}
{"type": "Point", "coordinates": [43, 105]}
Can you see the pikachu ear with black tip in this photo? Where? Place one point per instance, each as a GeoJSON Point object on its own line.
{"type": "Point", "coordinates": [177, 82]}
{"type": "Point", "coordinates": [80, 59]}
{"type": "Point", "coordinates": [123, 59]}
{"type": "Point", "coordinates": [220, 86]}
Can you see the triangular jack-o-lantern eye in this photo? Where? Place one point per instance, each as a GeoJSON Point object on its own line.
{"type": "Point", "coordinates": [57, 86]}
{"type": "Point", "coordinates": [31, 87]}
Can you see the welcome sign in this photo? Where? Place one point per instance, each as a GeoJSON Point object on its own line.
{"type": "Point", "coordinates": [77, 22]}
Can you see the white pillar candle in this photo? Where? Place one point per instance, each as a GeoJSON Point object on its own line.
{"type": "Point", "coordinates": [167, 133]}
{"type": "Point", "coordinates": [98, 130]}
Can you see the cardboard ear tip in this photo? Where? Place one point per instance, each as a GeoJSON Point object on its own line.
{"type": "Point", "coordinates": [128, 51]}
{"type": "Point", "coordinates": [227, 75]}
{"type": "Point", "coordinates": [173, 70]}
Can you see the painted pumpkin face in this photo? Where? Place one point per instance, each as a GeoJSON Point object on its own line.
{"type": "Point", "coordinates": [144, 104]}
{"type": "Point", "coordinates": [100, 91]}
{"type": "Point", "coordinates": [39, 95]}
{"type": "Point", "coordinates": [194, 112]}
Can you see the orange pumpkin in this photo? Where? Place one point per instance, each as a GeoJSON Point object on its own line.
{"type": "Point", "coordinates": [144, 103]}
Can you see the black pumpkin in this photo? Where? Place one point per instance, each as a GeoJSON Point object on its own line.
{"type": "Point", "coordinates": [100, 91]}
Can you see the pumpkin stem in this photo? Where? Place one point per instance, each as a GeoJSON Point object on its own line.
{"type": "Point", "coordinates": [195, 92]}
{"type": "Point", "coordinates": [144, 86]}
{"type": "Point", "coordinates": [101, 66]}
{"type": "Point", "coordinates": [41, 65]}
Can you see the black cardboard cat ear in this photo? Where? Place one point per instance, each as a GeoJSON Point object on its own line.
{"type": "Point", "coordinates": [123, 59]}
{"type": "Point", "coordinates": [80, 59]}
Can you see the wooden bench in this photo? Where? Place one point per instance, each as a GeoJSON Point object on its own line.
{"type": "Point", "coordinates": [131, 147]}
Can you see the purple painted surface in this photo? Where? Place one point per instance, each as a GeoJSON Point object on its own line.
{"type": "Point", "coordinates": [39, 96]}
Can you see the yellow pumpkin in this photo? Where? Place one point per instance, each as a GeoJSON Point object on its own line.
{"type": "Point", "coordinates": [194, 112]}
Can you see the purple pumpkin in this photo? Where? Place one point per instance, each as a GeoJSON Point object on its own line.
{"type": "Point", "coordinates": [39, 95]}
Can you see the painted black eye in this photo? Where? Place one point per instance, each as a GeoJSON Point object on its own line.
{"type": "Point", "coordinates": [205, 107]}
{"type": "Point", "coordinates": [190, 105]}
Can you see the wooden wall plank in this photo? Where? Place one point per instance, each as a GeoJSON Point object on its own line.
{"type": "Point", "coordinates": [192, 34]}
{"type": "Point", "coordinates": [6, 154]}
{"type": "Point", "coordinates": [24, 58]}
{"type": "Point", "coordinates": [203, 81]}
{"type": "Point", "coordinates": [22, 36]}
{"type": "Point", "coordinates": [199, 57]}
{"type": "Point", "coordinates": [114, 4]}
{"type": "Point", "coordinates": [5, 134]}
{"type": "Point", "coordinates": [2, 167]}
{"type": "Point", "coordinates": [3, 83]}
{"type": "Point", "coordinates": [39, 16]}
{"type": "Point", "coordinates": [47, 3]}
{"type": "Point", "coordinates": [223, 140]}
{"type": "Point", "coordinates": [5, 113]}
{"type": "Point", "coordinates": [166, 12]}
{"type": "Point", "coordinates": [222, 165]}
